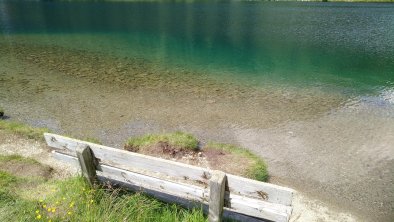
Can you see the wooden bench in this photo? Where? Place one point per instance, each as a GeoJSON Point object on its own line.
{"type": "Point", "coordinates": [217, 193]}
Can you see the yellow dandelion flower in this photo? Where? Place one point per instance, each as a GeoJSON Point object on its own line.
{"type": "Point", "coordinates": [49, 220]}
{"type": "Point", "coordinates": [49, 209]}
{"type": "Point", "coordinates": [57, 202]}
{"type": "Point", "coordinates": [44, 206]}
{"type": "Point", "coordinates": [72, 204]}
{"type": "Point", "coordinates": [91, 201]}
{"type": "Point", "coordinates": [63, 198]}
{"type": "Point", "coordinates": [53, 210]}
{"type": "Point", "coordinates": [41, 200]}
{"type": "Point", "coordinates": [37, 211]}
{"type": "Point", "coordinates": [83, 189]}
{"type": "Point", "coordinates": [38, 217]}
{"type": "Point", "coordinates": [69, 212]}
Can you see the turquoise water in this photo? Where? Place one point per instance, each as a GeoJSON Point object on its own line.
{"type": "Point", "coordinates": [335, 46]}
{"type": "Point", "coordinates": [307, 86]}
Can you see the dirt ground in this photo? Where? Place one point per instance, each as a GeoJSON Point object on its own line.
{"type": "Point", "coordinates": [12, 144]}
{"type": "Point", "coordinates": [208, 158]}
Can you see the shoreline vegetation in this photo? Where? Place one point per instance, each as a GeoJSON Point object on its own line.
{"type": "Point", "coordinates": [23, 130]}
{"type": "Point", "coordinates": [184, 147]}
{"type": "Point", "coordinates": [29, 190]}
{"type": "Point", "coordinates": [177, 146]}
{"type": "Point", "coordinates": [42, 198]}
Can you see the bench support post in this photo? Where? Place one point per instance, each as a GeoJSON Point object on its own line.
{"type": "Point", "coordinates": [86, 161]}
{"type": "Point", "coordinates": [217, 185]}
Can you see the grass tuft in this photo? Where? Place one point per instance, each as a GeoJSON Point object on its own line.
{"type": "Point", "coordinates": [258, 169]}
{"type": "Point", "coordinates": [17, 158]}
{"type": "Point", "coordinates": [73, 200]}
{"type": "Point", "coordinates": [6, 180]}
{"type": "Point", "coordinates": [176, 139]}
{"type": "Point", "coordinates": [23, 130]}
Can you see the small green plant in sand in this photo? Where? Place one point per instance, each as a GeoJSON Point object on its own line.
{"type": "Point", "coordinates": [257, 169]}
{"type": "Point", "coordinates": [23, 130]}
{"type": "Point", "coordinates": [177, 139]}
{"type": "Point", "coordinates": [73, 200]}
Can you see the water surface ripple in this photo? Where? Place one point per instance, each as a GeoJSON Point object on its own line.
{"type": "Point", "coordinates": [308, 86]}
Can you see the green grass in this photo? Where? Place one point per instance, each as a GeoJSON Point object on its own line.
{"type": "Point", "coordinates": [257, 171]}
{"type": "Point", "coordinates": [73, 200]}
{"type": "Point", "coordinates": [176, 139]}
{"type": "Point", "coordinates": [6, 180]}
{"type": "Point", "coordinates": [17, 158]}
{"type": "Point", "coordinates": [23, 130]}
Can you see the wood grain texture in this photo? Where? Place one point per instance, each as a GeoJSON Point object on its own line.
{"type": "Point", "coordinates": [217, 185]}
{"type": "Point", "coordinates": [166, 169]}
{"type": "Point", "coordinates": [188, 195]}
{"type": "Point", "coordinates": [86, 162]}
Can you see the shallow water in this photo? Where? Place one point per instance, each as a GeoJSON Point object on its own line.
{"type": "Point", "coordinates": [308, 86]}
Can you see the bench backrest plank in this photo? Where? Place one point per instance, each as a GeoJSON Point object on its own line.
{"type": "Point", "coordinates": [188, 195]}
{"type": "Point", "coordinates": [178, 171]}
{"type": "Point", "coordinates": [164, 168]}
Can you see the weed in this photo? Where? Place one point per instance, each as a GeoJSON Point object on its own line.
{"type": "Point", "coordinates": [177, 139]}
{"type": "Point", "coordinates": [23, 130]}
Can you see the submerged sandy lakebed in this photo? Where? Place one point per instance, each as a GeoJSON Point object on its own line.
{"type": "Point", "coordinates": [327, 145]}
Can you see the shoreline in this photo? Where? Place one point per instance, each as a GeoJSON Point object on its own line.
{"type": "Point", "coordinates": [305, 208]}
{"type": "Point", "coordinates": [291, 142]}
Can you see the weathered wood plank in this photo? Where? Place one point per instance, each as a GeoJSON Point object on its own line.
{"type": "Point", "coordinates": [86, 162]}
{"type": "Point", "coordinates": [240, 207]}
{"type": "Point", "coordinates": [217, 185]}
{"type": "Point", "coordinates": [182, 172]}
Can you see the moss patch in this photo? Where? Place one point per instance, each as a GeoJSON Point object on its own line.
{"type": "Point", "coordinates": [23, 130]}
{"type": "Point", "coordinates": [177, 140]}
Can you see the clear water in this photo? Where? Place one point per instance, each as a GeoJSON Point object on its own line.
{"type": "Point", "coordinates": [307, 86]}
{"type": "Point", "coordinates": [338, 46]}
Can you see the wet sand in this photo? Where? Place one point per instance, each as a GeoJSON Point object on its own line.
{"type": "Point", "coordinates": [330, 146]}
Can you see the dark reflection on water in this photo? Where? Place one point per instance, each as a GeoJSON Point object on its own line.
{"type": "Point", "coordinates": [303, 44]}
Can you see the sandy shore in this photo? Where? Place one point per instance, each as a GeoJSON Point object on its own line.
{"type": "Point", "coordinates": [335, 150]}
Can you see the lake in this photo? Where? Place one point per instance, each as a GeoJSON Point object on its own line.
{"type": "Point", "coordinates": [308, 86]}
